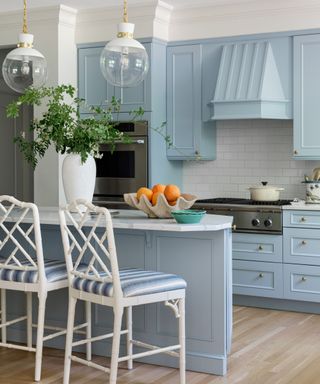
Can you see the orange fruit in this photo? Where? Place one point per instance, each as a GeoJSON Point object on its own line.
{"type": "Point", "coordinates": [155, 197]}
{"type": "Point", "coordinates": [172, 202]}
{"type": "Point", "coordinates": [158, 188]}
{"type": "Point", "coordinates": [172, 192]}
{"type": "Point", "coordinates": [144, 191]}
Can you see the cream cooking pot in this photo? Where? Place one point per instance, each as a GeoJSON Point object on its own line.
{"type": "Point", "coordinates": [265, 192]}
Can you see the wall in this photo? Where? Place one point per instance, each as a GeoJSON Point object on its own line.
{"type": "Point", "coordinates": [249, 151]}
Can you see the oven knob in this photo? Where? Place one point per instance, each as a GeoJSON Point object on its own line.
{"type": "Point", "coordinates": [255, 222]}
{"type": "Point", "coordinates": [268, 223]}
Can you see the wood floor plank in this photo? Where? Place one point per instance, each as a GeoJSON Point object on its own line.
{"type": "Point", "coordinates": [269, 347]}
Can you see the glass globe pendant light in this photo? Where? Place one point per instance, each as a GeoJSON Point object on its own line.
{"type": "Point", "coordinates": [124, 61]}
{"type": "Point", "coordinates": [24, 66]}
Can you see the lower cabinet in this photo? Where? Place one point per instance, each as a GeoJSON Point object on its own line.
{"type": "Point", "coordinates": [257, 278]}
{"type": "Point", "coordinates": [302, 282]}
{"type": "Point", "coordinates": [286, 267]}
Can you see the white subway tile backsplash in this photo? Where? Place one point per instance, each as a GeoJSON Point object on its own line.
{"type": "Point", "coordinates": [249, 151]}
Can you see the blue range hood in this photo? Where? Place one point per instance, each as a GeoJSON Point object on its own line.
{"type": "Point", "coordinates": [254, 81]}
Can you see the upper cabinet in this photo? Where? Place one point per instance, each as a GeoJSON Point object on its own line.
{"type": "Point", "coordinates": [306, 124]}
{"type": "Point", "coordinates": [98, 92]}
{"type": "Point", "coordinates": [191, 138]}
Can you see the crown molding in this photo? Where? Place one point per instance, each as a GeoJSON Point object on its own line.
{"type": "Point", "coordinates": [151, 18]}
{"type": "Point", "coordinates": [243, 17]}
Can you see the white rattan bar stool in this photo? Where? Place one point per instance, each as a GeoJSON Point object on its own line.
{"type": "Point", "coordinates": [102, 283]}
{"type": "Point", "coordinates": [23, 268]}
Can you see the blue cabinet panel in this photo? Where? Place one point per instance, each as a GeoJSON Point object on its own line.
{"type": "Point", "coordinates": [301, 246]}
{"type": "Point", "coordinates": [139, 96]}
{"type": "Point", "coordinates": [92, 85]}
{"type": "Point", "coordinates": [301, 219]}
{"type": "Point", "coordinates": [97, 91]}
{"type": "Point", "coordinates": [302, 282]}
{"type": "Point", "coordinates": [191, 138]}
{"type": "Point", "coordinates": [257, 247]}
{"type": "Point", "coordinates": [257, 279]}
{"type": "Point", "coordinates": [307, 97]}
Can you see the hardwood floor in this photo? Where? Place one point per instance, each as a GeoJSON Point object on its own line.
{"type": "Point", "coordinates": [269, 347]}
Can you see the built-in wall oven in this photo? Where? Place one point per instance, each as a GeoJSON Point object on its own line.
{"type": "Point", "coordinates": [126, 168]}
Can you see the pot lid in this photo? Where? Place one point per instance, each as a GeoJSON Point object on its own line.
{"type": "Point", "coordinates": [264, 185]}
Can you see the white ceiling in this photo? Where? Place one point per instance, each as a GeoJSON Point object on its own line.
{"type": "Point", "coordinates": [14, 5]}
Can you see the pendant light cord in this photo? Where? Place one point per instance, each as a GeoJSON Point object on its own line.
{"type": "Point", "coordinates": [25, 27]}
{"type": "Point", "coordinates": [125, 11]}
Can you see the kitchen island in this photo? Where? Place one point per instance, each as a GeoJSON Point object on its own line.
{"type": "Point", "coordinates": [200, 253]}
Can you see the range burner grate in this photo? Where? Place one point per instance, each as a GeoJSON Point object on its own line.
{"type": "Point", "coordinates": [230, 200]}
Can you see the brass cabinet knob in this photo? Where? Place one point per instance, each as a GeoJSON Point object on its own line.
{"type": "Point", "coordinates": [261, 275]}
{"type": "Point", "coordinates": [303, 242]}
{"type": "Point", "coordinates": [303, 278]}
{"type": "Point", "coordinates": [260, 248]}
{"type": "Point", "coordinates": [234, 227]}
{"type": "Point", "coordinates": [295, 152]}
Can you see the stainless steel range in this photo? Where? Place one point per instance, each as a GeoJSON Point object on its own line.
{"type": "Point", "coordinates": [249, 216]}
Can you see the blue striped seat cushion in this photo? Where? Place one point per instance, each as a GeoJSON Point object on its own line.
{"type": "Point", "coordinates": [55, 271]}
{"type": "Point", "coordinates": [134, 282]}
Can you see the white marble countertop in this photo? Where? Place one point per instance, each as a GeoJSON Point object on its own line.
{"type": "Point", "coordinates": [137, 220]}
{"type": "Point", "coordinates": [302, 206]}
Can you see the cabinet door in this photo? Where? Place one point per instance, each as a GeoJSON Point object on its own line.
{"type": "Point", "coordinates": [93, 87]}
{"type": "Point", "coordinates": [307, 97]}
{"type": "Point", "coordinates": [139, 96]}
{"type": "Point", "coordinates": [184, 101]}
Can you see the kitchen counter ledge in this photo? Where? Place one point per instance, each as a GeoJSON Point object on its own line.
{"type": "Point", "coordinates": [302, 206]}
{"type": "Point", "coordinates": [130, 219]}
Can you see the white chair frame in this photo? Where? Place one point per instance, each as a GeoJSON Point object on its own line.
{"type": "Point", "coordinates": [41, 287]}
{"type": "Point", "coordinates": [173, 299]}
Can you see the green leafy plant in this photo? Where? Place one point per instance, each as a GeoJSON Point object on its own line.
{"type": "Point", "coordinates": [62, 127]}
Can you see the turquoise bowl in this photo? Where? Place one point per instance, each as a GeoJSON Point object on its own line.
{"type": "Point", "coordinates": [188, 216]}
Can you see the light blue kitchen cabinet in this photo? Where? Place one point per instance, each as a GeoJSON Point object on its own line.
{"type": "Point", "coordinates": [191, 137]}
{"type": "Point", "coordinates": [306, 130]}
{"type": "Point", "coordinates": [92, 85]}
{"type": "Point", "coordinates": [97, 91]}
{"type": "Point", "coordinates": [150, 95]}
{"type": "Point", "coordinates": [257, 278]}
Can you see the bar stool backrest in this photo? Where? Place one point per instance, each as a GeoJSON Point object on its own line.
{"type": "Point", "coordinates": [20, 238]}
{"type": "Point", "coordinates": [89, 245]}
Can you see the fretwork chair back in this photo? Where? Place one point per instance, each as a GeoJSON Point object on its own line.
{"type": "Point", "coordinates": [23, 268]}
{"type": "Point", "coordinates": [103, 283]}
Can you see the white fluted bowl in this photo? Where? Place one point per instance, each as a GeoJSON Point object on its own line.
{"type": "Point", "coordinates": [162, 209]}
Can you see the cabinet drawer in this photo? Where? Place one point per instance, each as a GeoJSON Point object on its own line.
{"type": "Point", "coordinates": [301, 219]}
{"type": "Point", "coordinates": [302, 282]}
{"type": "Point", "coordinates": [257, 279]}
{"type": "Point", "coordinates": [257, 247]}
{"type": "Point", "coordinates": [301, 246]}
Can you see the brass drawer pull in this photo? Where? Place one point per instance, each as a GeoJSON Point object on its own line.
{"type": "Point", "coordinates": [261, 275]}
{"type": "Point", "coordinates": [303, 242]}
{"type": "Point", "coordinates": [260, 248]}
{"type": "Point", "coordinates": [303, 219]}
{"type": "Point", "coordinates": [303, 278]}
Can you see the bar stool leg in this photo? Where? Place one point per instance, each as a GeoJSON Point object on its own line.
{"type": "Point", "coordinates": [118, 312]}
{"type": "Point", "coordinates": [129, 336]}
{"type": "Point", "coordinates": [29, 319]}
{"type": "Point", "coordinates": [3, 315]}
{"type": "Point", "coordinates": [182, 341]}
{"type": "Point", "coordinates": [40, 330]}
{"type": "Point", "coordinates": [68, 352]}
{"type": "Point", "coordinates": [88, 330]}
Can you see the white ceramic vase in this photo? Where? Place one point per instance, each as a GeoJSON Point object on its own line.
{"type": "Point", "coordinates": [78, 179]}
